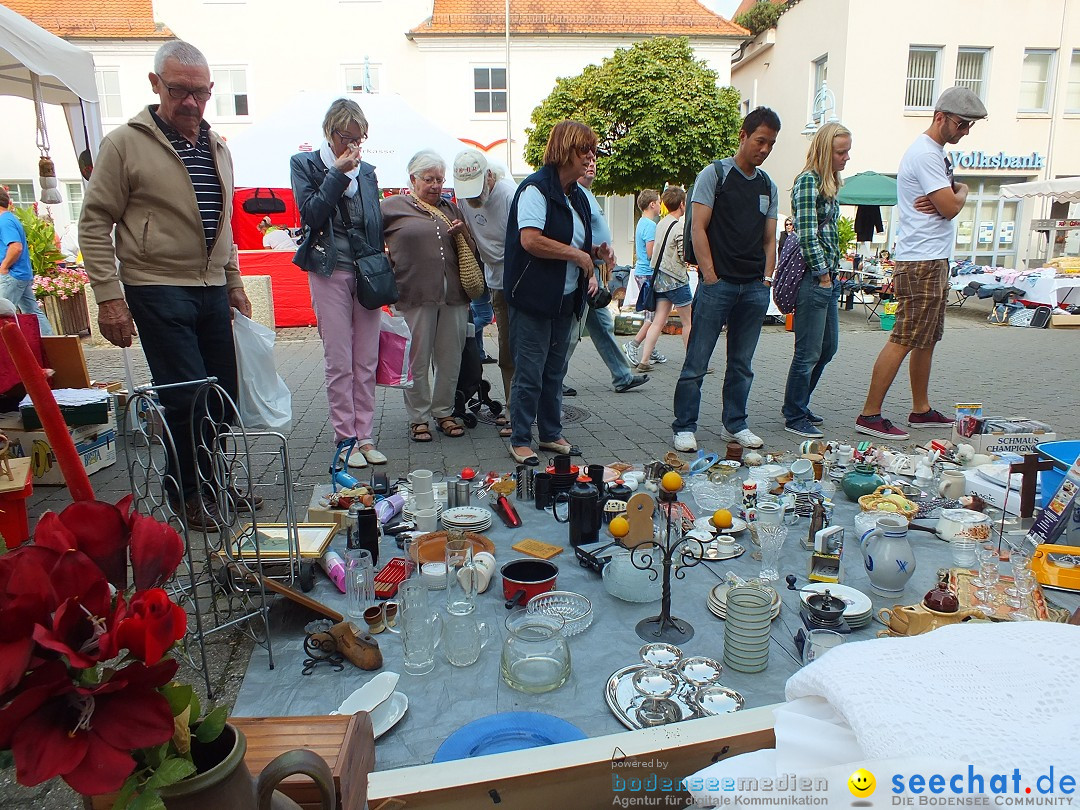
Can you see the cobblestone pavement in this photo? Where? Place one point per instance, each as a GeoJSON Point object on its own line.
{"type": "Point", "coordinates": [1014, 372]}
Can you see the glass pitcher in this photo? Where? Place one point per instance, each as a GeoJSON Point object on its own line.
{"type": "Point", "coordinates": [419, 627]}
{"type": "Point", "coordinates": [535, 655]}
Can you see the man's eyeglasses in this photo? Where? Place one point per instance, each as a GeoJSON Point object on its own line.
{"type": "Point", "coordinates": [349, 139]}
{"type": "Point", "coordinates": [960, 122]}
{"type": "Point", "coordinates": [180, 93]}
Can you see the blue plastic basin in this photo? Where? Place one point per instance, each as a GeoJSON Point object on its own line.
{"type": "Point", "coordinates": [1064, 455]}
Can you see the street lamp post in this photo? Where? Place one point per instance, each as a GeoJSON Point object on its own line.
{"type": "Point", "coordinates": [824, 111]}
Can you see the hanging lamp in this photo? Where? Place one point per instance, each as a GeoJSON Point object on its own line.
{"type": "Point", "coordinates": [50, 193]}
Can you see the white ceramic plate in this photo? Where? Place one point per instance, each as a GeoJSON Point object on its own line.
{"type": "Point", "coordinates": [370, 695]}
{"type": "Point", "coordinates": [387, 714]}
{"type": "Point", "coordinates": [858, 603]}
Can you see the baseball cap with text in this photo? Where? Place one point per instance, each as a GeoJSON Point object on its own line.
{"type": "Point", "coordinates": [470, 172]}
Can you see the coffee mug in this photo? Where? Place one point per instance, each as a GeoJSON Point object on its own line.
{"type": "Point", "coordinates": [427, 520]}
{"type": "Point", "coordinates": [561, 464]}
{"type": "Point", "coordinates": [542, 490]}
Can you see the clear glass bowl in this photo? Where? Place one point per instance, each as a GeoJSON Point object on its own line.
{"type": "Point", "coordinates": [575, 610]}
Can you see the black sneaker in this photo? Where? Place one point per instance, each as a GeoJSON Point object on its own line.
{"type": "Point", "coordinates": [804, 428]}
{"type": "Point", "coordinates": [635, 381]}
{"type": "Point", "coordinates": [567, 391]}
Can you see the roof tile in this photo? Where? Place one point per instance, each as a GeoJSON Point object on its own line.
{"type": "Point", "coordinates": [672, 18]}
{"type": "Point", "coordinates": [93, 19]}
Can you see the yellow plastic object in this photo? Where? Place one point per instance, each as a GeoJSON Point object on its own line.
{"type": "Point", "coordinates": [1052, 574]}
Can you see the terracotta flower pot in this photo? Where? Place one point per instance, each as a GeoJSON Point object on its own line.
{"type": "Point", "coordinates": [223, 779]}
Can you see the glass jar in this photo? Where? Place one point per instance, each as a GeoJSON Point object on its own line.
{"type": "Point", "coordinates": [535, 655]}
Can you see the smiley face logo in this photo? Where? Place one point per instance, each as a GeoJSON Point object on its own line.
{"type": "Point", "coordinates": [861, 783]}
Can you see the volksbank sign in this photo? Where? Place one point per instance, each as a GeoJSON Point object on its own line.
{"type": "Point", "coordinates": [995, 160]}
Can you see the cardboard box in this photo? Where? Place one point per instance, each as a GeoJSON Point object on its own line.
{"type": "Point", "coordinates": [1002, 442]}
{"type": "Point", "coordinates": [1064, 319]}
{"type": "Point", "coordinates": [96, 444]}
{"type": "Point", "coordinates": [993, 494]}
{"type": "Point", "coordinates": [317, 513]}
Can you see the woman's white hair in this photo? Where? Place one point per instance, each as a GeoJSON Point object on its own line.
{"type": "Point", "coordinates": [183, 52]}
{"type": "Point", "coordinates": [424, 160]}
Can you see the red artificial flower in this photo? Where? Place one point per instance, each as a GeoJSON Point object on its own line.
{"type": "Point", "coordinates": [86, 734]}
{"type": "Point", "coordinates": [156, 551]}
{"type": "Point", "coordinates": [101, 533]}
{"type": "Point", "coordinates": [149, 625]}
{"type": "Point", "coordinates": [78, 625]}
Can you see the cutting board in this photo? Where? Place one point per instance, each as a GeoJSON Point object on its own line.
{"type": "Point", "coordinates": [639, 514]}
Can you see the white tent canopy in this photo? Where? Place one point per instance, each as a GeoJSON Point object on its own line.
{"type": "Point", "coordinates": [396, 132]}
{"type": "Point", "coordinates": [1064, 189]}
{"type": "Point", "coordinates": [66, 73]}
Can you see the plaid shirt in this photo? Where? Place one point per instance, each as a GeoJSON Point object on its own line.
{"type": "Point", "coordinates": [815, 219]}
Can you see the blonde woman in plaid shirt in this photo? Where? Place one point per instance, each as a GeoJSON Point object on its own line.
{"type": "Point", "coordinates": [815, 212]}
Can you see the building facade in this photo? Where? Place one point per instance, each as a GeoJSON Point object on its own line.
{"type": "Point", "coordinates": [885, 63]}
{"type": "Point", "coordinates": [447, 58]}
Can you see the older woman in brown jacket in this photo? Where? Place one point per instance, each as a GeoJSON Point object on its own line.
{"type": "Point", "coordinates": [420, 230]}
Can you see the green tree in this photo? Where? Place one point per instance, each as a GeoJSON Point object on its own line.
{"type": "Point", "coordinates": [656, 110]}
{"type": "Point", "coordinates": [761, 16]}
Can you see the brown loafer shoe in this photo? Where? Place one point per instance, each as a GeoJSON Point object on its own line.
{"type": "Point", "coordinates": [201, 516]}
{"type": "Point", "coordinates": [243, 503]}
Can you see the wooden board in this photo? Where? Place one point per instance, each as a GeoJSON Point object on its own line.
{"type": "Point", "coordinates": [64, 355]}
{"type": "Point", "coordinates": [639, 512]}
{"type": "Point", "coordinates": [299, 598]}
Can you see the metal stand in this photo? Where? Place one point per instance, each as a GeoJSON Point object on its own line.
{"type": "Point", "coordinates": [218, 591]}
{"type": "Point", "coordinates": [666, 627]}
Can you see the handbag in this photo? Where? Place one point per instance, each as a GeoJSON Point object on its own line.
{"type": "Point", "coordinates": [375, 283]}
{"type": "Point", "coordinates": [395, 343]}
{"type": "Point", "coordinates": [470, 273]}
{"type": "Point", "coordinates": [789, 273]}
{"type": "Point", "coordinates": [646, 299]}
{"type": "Point", "coordinates": [264, 205]}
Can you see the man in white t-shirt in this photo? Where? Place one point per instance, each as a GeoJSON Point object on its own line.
{"type": "Point", "coordinates": [928, 199]}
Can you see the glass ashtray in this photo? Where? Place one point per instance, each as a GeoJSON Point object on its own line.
{"type": "Point", "coordinates": [575, 609]}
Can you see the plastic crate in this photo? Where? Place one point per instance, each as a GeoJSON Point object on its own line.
{"type": "Point", "coordinates": [1064, 455]}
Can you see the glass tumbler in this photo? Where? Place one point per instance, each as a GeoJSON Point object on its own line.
{"type": "Point", "coordinates": [359, 581]}
{"type": "Point", "coordinates": [461, 575]}
{"type": "Point", "coordinates": [771, 539]}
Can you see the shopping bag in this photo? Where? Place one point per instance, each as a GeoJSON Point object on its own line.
{"type": "Point", "coordinates": [264, 399]}
{"type": "Point", "coordinates": [395, 340]}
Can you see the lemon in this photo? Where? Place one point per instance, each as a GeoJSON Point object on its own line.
{"type": "Point", "coordinates": [619, 526]}
{"type": "Point", "coordinates": [671, 481]}
{"type": "Point", "coordinates": [722, 519]}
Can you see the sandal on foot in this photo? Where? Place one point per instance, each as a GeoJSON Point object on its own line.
{"type": "Point", "coordinates": [420, 432]}
{"type": "Point", "coordinates": [505, 432]}
{"type": "Point", "coordinates": [448, 426]}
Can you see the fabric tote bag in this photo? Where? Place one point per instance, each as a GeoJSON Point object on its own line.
{"type": "Point", "coordinates": [790, 269]}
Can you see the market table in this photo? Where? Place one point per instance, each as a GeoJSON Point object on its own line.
{"type": "Point", "coordinates": [1039, 287]}
{"type": "Point", "coordinates": [449, 697]}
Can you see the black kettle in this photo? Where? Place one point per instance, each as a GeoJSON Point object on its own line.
{"type": "Point", "coordinates": [583, 514]}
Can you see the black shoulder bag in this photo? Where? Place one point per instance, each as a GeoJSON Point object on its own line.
{"type": "Point", "coordinates": [646, 300]}
{"type": "Point", "coordinates": [375, 283]}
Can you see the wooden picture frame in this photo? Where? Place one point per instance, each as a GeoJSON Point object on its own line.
{"type": "Point", "coordinates": [273, 539]}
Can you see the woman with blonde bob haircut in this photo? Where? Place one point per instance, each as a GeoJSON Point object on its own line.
{"type": "Point", "coordinates": [816, 213]}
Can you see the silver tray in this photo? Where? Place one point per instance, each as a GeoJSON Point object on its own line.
{"type": "Point", "coordinates": [619, 692]}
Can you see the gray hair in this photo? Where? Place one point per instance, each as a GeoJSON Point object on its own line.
{"type": "Point", "coordinates": [424, 160]}
{"type": "Point", "coordinates": [343, 112]}
{"type": "Point", "coordinates": [183, 52]}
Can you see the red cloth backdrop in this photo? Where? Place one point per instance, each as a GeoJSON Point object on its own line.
{"type": "Point", "coordinates": [292, 297]}
{"type": "Point", "coordinates": [246, 226]}
{"type": "Point", "coordinates": [9, 375]}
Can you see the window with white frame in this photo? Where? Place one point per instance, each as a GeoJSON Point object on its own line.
{"type": "Point", "coordinates": [362, 78]}
{"type": "Point", "coordinates": [922, 78]}
{"type": "Point", "coordinates": [108, 90]}
{"type": "Point", "coordinates": [1072, 92]}
{"type": "Point", "coordinates": [972, 69]}
{"type": "Point", "coordinates": [73, 193]}
{"type": "Point", "coordinates": [230, 91]}
{"type": "Point", "coordinates": [489, 90]}
{"type": "Point", "coordinates": [1036, 80]}
{"type": "Point", "coordinates": [821, 72]}
{"type": "Point", "coordinates": [20, 191]}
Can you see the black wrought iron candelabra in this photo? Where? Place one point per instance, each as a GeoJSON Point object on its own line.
{"type": "Point", "coordinates": [689, 551]}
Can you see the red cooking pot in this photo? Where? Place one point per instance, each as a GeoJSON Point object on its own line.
{"type": "Point", "coordinates": [524, 579]}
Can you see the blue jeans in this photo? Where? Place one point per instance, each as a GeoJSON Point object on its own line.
{"type": "Point", "coordinates": [601, 328]}
{"type": "Point", "coordinates": [540, 346]}
{"type": "Point", "coordinates": [186, 334]}
{"type": "Point", "coordinates": [482, 314]}
{"type": "Point", "coordinates": [21, 294]}
{"type": "Point", "coordinates": [742, 308]}
{"type": "Point", "coordinates": [817, 336]}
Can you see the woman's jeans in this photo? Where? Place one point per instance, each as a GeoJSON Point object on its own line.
{"type": "Point", "coordinates": [540, 346]}
{"type": "Point", "coordinates": [742, 308]}
{"type": "Point", "coordinates": [817, 335]}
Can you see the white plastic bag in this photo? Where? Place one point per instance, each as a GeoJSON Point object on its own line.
{"type": "Point", "coordinates": [395, 341]}
{"type": "Point", "coordinates": [264, 399]}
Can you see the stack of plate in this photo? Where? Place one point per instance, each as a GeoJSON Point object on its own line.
{"type": "Point", "coordinates": [747, 630]}
{"type": "Point", "coordinates": [717, 602]}
{"type": "Point", "coordinates": [408, 510]}
{"type": "Point", "coordinates": [859, 611]}
{"type": "Point", "coordinates": [560, 482]}
{"type": "Point", "coordinates": [467, 518]}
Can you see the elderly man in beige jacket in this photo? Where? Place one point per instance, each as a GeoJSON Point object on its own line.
{"type": "Point", "coordinates": [157, 244]}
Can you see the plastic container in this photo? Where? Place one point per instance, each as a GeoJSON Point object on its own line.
{"type": "Point", "coordinates": [1065, 455]}
{"type": "Point", "coordinates": [887, 322]}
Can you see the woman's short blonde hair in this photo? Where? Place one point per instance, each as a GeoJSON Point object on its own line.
{"type": "Point", "coordinates": [341, 114]}
{"type": "Point", "coordinates": [566, 139]}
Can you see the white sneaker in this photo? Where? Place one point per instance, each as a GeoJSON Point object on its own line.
{"type": "Point", "coordinates": [746, 437]}
{"type": "Point", "coordinates": [631, 352]}
{"type": "Point", "coordinates": [658, 358]}
{"type": "Point", "coordinates": [685, 442]}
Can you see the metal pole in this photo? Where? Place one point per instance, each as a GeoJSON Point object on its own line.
{"type": "Point", "coordinates": [509, 140]}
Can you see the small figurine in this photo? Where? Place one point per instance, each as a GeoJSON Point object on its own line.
{"type": "Point", "coordinates": [5, 458]}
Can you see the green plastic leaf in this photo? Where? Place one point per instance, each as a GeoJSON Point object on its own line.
{"type": "Point", "coordinates": [171, 771]}
{"type": "Point", "coordinates": [148, 800]}
{"type": "Point", "coordinates": [131, 784]}
{"type": "Point", "coordinates": [196, 706]}
{"type": "Point", "coordinates": [211, 726]}
{"type": "Point", "coordinates": [179, 696]}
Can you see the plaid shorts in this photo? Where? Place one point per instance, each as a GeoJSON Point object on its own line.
{"type": "Point", "coordinates": [922, 291]}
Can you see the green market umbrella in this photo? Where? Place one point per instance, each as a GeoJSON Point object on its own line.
{"type": "Point", "coordinates": [868, 188]}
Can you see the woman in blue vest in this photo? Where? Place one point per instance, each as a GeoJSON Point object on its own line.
{"type": "Point", "coordinates": [548, 275]}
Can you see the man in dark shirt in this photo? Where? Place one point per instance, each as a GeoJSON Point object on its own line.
{"type": "Point", "coordinates": [734, 232]}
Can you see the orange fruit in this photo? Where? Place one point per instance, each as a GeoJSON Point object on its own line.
{"type": "Point", "coordinates": [671, 481]}
{"type": "Point", "coordinates": [619, 526]}
{"type": "Point", "coordinates": [722, 519]}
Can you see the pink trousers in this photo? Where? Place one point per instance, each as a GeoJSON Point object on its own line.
{"type": "Point", "coordinates": [350, 336]}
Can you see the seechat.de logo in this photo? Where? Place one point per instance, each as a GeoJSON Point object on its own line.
{"type": "Point", "coordinates": [861, 783]}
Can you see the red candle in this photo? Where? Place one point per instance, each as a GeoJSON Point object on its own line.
{"type": "Point", "coordinates": [49, 412]}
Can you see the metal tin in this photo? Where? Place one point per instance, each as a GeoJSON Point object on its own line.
{"type": "Point", "coordinates": [461, 492]}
